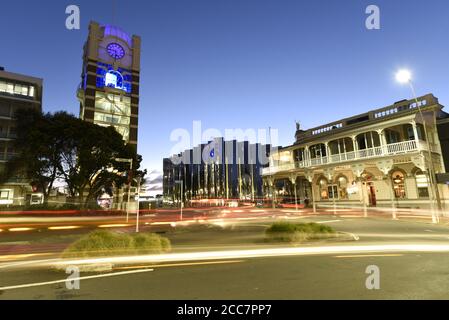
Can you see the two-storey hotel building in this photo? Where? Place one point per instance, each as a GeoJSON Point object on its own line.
{"type": "Point", "coordinates": [388, 157]}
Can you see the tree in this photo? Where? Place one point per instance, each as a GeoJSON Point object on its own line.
{"type": "Point", "coordinates": [82, 154]}
{"type": "Point", "coordinates": [37, 150]}
{"type": "Point", "coordinates": [95, 167]}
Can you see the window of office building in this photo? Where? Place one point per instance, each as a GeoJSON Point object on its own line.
{"type": "Point", "coordinates": [12, 132]}
{"type": "Point", "coordinates": [17, 89]}
{"type": "Point", "coordinates": [4, 110]}
{"type": "Point", "coordinates": [422, 184]}
{"type": "Point", "coordinates": [3, 130]}
{"type": "Point", "coordinates": [398, 184]}
{"type": "Point", "coordinates": [111, 118]}
{"type": "Point", "coordinates": [113, 103]}
{"type": "Point", "coordinates": [4, 194]}
{"type": "Point", "coordinates": [113, 109]}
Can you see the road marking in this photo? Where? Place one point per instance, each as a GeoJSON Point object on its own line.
{"type": "Point", "coordinates": [370, 255]}
{"type": "Point", "coordinates": [329, 221]}
{"type": "Point", "coordinates": [417, 217]}
{"type": "Point", "coordinates": [29, 285]}
{"type": "Point", "coordinates": [354, 236]}
{"type": "Point", "coordinates": [113, 225]}
{"type": "Point", "coordinates": [64, 227]}
{"type": "Point", "coordinates": [180, 264]}
{"type": "Point", "coordinates": [350, 216]}
{"type": "Point", "coordinates": [19, 229]}
{"type": "Point", "coordinates": [15, 257]}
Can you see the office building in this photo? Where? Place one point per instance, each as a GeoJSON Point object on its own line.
{"type": "Point", "coordinates": [17, 91]}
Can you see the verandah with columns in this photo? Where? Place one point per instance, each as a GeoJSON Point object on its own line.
{"type": "Point", "coordinates": [386, 162]}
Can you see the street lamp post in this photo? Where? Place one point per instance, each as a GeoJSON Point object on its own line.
{"type": "Point", "coordinates": [182, 198]}
{"type": "Point", "coordinates": [130, 161]}
{"type": "Point", "coordinates": [404, 76]}
{"type": "Point", "coordinates": [139, 179]}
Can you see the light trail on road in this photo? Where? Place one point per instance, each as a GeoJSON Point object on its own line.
{"type": "Point", "coordinates": [38, 284]}
{"type": "Point", "coordinates": [239, 254]}
{"type": "Point", "coordinates": [370, 255]}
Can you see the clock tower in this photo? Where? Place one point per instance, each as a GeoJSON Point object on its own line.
{"type": "Point", "coordinates": [109, 88]}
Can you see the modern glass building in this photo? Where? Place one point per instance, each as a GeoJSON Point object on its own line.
{"type": "Point", "coordinates": [224, 170]}
{"type": "Point", "coordinates": [109, 88]}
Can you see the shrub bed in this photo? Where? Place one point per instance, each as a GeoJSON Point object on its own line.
{"type": "Point", "coordinates": [106, 243]}
{"type": "Point", "coordinates": [298, 232]}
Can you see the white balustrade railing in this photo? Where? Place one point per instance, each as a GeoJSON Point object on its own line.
{"type": "Point", "coordinates": [385, 150]}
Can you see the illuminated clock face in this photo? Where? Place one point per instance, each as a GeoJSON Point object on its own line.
{"type": "Point", "coordinates": [116, 51]}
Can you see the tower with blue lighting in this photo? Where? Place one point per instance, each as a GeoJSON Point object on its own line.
{"type": "Point", "coordinates": [110, 78]}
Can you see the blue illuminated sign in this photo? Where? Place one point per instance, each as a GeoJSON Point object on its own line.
{"type": "Point", "coordinates": [113, 79]}
{"type": "Point", "coordinates": [107, 76]}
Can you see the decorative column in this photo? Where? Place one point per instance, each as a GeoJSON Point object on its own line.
{"type": "Point", "coordinates": [357, 170]}
{"type": "Point", "coordinates": [326, 146]}
{"type": "Point", "coordinates": [356, 147]}
{"type": "Point", "coordinates": [385, 166]}
{"type": "Point", "coordinates": [329, 173]}
{"type": "Point", "coordinates": [383, 141]}
{"type": "Point", "coordinates": [415, 135]}
{"type": "Point", "coordinates": [306, 156]}
{"type": "Point", "coordinates": [293, 181]}
{"type": "Point", "coordinates": [270, 181]}
{"type": "Point", "coordinates": [309, 177]}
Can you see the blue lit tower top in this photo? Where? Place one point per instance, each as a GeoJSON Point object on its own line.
{"type": "Point", "coordinates": [109, 89]}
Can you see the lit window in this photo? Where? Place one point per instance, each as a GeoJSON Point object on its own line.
{"type": "Point", "coordinates": [31, 91]}
{"type": "Point", "coordinates": [398, 184]}
{"type": "Point", "coordinates": [4, 194]}
{"type": "Point", "coordinates": [17, 89]}
{"type": "Point", "coordinates": [324, 192]}
{"type": "Point", "coordinates": [422, 184]}
{"type": "Point", "coordinates": [343, 186]}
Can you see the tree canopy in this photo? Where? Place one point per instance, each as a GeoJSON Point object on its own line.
{"type": "Point", "coordinates": [60, 147]}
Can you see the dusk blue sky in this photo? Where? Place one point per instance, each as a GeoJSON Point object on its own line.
{"type": "Point", "coordinates": [239, 63]}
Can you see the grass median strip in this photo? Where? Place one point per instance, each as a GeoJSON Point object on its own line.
{"type": "Point", "coordinates": [298, 232]}
{"type": "Point", "coordinates": [102, 243]}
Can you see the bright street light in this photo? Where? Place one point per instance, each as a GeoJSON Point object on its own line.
{"type": "Point", "coordinates": [403, 76]}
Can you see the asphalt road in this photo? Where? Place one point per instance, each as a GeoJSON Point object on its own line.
{"type": "Point", "coordinates": [404, 274]}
